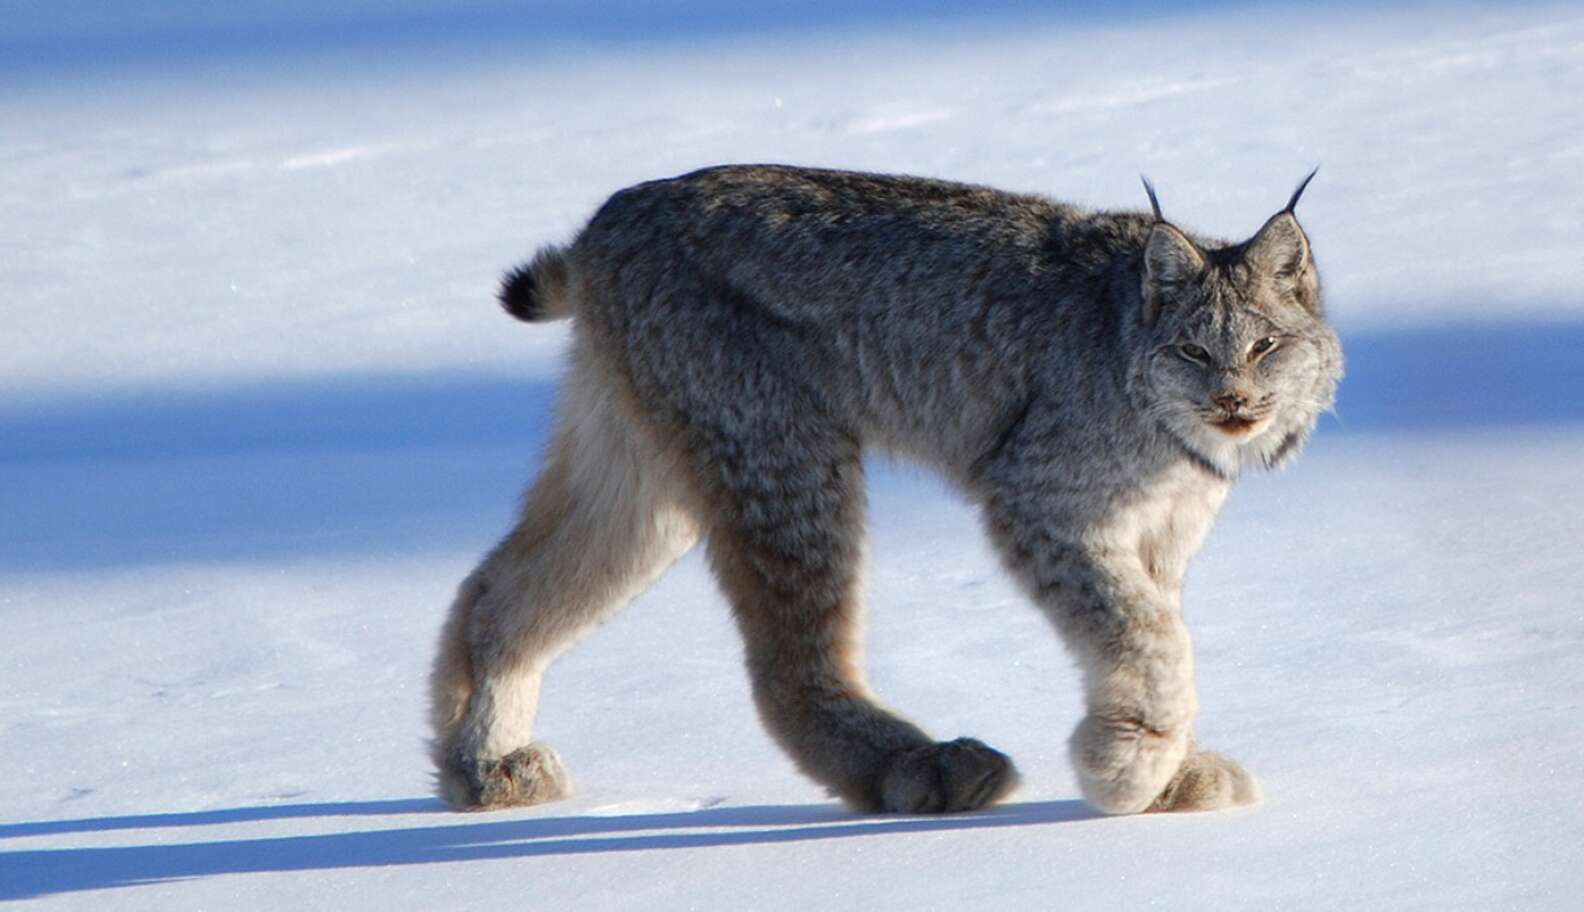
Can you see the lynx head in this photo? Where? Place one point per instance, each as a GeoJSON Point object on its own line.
{"type": "Point", "coordinates": [1237, 361]}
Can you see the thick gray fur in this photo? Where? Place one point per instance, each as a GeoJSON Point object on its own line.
{"type": "Point", "coordinates": [1093, 381]}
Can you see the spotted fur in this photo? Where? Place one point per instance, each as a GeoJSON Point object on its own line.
{"type": "Point", "coordinates": [1093, 381]}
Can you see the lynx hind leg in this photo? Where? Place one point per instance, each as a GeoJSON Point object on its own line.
{"type": "Point", "coordinates": [788, 554]}
{"type": "Point", "coordinates": [468, 779]}
{"type": "Point", "coordinates": [604, 518]}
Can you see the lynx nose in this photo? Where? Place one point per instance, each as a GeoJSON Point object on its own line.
{"type": "Point", "coordinates": [1231, 402]}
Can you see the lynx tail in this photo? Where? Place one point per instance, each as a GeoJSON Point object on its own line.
{"type": "Point", "coordinates": [537, 291]}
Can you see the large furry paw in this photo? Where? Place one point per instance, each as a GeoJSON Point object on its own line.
{"type": "Point", "coordinates": [528, 775]}
{"type": "Point", "coordinates": [1123, 765]}
{"type": "Point", "coordinates": [959, 775]}
{"type": "Point", "coordinates": [1208, 782]}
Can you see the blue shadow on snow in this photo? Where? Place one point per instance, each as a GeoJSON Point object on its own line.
{"type": "Point", "coordinates": [340, 466]}
{"type": "Point", "coordinates": [395, 464]}
{"type": "Point", "coordinates": [1462, 376]}
{"type": "Point", "coordinates": [119, 33]}
{"type": "Point", "coordinates": [35, 873]}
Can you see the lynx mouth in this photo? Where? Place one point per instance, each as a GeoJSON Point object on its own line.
{"type": "Point", "coordinates": [1234, 426]}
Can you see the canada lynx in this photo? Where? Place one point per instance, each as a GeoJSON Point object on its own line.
{"type": "Point", "coordinates": [1092, 381]}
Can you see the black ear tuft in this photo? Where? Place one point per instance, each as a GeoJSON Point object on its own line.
{"type": "Point", "coordinates": [1154, 203]}
{"type": "Point", "coordinates": [1293, 203]}
{"type": "Point", "coordinates": [519, 294]}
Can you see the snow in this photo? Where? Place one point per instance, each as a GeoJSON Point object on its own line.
{"type": "Point", "coordinates": [258, 416]}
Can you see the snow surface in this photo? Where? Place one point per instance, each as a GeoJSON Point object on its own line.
{"type": "Point", "coordinates": [258, 416]}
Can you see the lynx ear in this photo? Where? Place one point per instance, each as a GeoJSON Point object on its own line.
{"type": "Point", "coordinates": [1281, 250]}
{"type": "Point", "coordinates": [1171, 262]}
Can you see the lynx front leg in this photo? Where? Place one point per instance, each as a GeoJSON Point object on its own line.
{"type": "Point", "coordinates": [789, 559]}
{"type": "Point", "coordinates": [1138, 669]}
{"type": "Point", "coordinates": [1207, 782]}
{"type": "Point", "coordinates": [1134, 749]}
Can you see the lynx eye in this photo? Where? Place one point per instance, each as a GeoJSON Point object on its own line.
{"type": "Point", "coordinates": [1264, 345]}
{"type": "Point", "coordinates": [1193, 353]}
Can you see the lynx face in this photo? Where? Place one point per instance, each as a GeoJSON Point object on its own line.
{"type": "Point", "coordinates": [1240, 365]}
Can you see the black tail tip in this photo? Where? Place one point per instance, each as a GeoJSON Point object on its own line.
{"type": "Point", "coordinates": [519, 294]}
